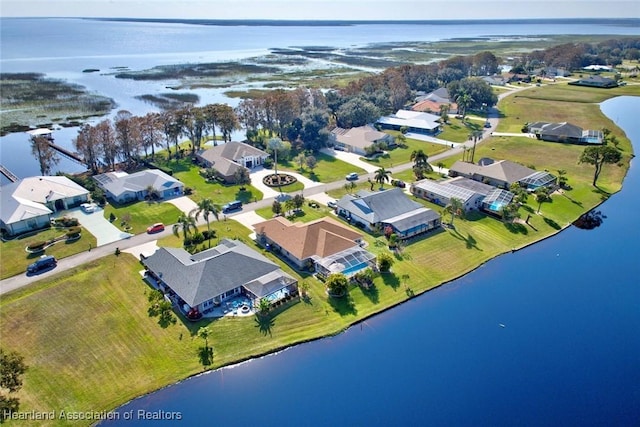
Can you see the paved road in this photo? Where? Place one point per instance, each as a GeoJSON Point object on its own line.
{"type": "Point", "coordinates": [18, 281]}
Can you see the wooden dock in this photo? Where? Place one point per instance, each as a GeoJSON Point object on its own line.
{"type": "Point", "coordinates": [6, 172]}
{"type": "Point", "coordinates": [48, 135]}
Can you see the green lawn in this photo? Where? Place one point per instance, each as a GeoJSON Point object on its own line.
{"type": "Point", "coordinates": [189, 174]}
{"type": "Point", "coordinates": [306, 214]}
{"type": "Point", "coordinates": [327, 169]}
{"type": "Point", "coordinates": [142, 214]}
{"type": "Point", "coordinates": [457, 131]}
{"type": "Point", "coordinates": [15, 259]}
{"type": "Point", "coordinates": [401, 155]}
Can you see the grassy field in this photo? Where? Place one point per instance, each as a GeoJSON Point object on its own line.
{"type": "Point", "coordinates": [401, 155]}
{"type": "Point", "coordinates": [457, 131]}
{"type": "Point", "coordinates": [15, 259]}
{"type": "Point", "coordinates": [189, 174]}
{"type": "Point", "coordinates": [142, 215]}
{"type": "Point", "coordinates": [75, 342]}
{"type": "Point", "coordinates": [328, 168]}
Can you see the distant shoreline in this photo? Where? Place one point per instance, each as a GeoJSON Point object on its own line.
{"type": "Point", "coordinates": [341, 23]}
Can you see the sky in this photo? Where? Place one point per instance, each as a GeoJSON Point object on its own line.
{"type": "Point", "coordinates": [324, 9]}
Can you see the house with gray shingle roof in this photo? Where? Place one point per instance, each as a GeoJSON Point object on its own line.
{"type": "Point", "coordinates": [28, 204]}
{"type": "Point", "coordinates": [565, 132]}
{"type": "Point", "coordinates": [502, 174]}
{"type": "Point", "coordinates": [595, 81]}
{"type": "Point", "coordinates": [227, 158]}
{"type": "Point", "coordinates": [123, 187]}
{"type": "Point", "coordinates": [388, 208]}
{"type": "Point", "coordinates": [204, 280]}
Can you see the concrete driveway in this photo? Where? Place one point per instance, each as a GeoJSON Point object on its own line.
{"type": "Point", "coordinates": [351, 158]}
{"type": "Point", "coordinates": [98, 225]}
{"type": "Point", "coordinates": [184, 203]}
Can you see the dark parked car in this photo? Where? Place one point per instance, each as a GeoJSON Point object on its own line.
{"type": "Point", "coordinates": [44, 262]}
{"type": "Point", "coordinates": [232, 206]}
{"type": "Point", "coordinates": [398, 183]}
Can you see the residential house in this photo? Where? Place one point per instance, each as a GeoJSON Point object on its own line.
{"type": "Point", "coordinates": [495, 80]}
{"type": "Point", "coordinates": [391, 208]}
{"type": "Point", "coordinates": [502, 174]}
{"type": "Point", "coordinates": [413, 121]}
{"type": "Point", "coordinates": [470, 193]}
{"type": "Point", "coordinates": [123, 187]}
{"type": "Point", "coordinates": [517, 78]}
{"type": "Point", "coordinates": [28, 204]}
{"type": "Point", "coordinates": [359, 139]}
{"type": "Point", "coordinates": [198, 283]}
{"type": "Point", "coordinates": [432, 102]}
{"type": "Point", "coordinates": [565, 132]}
{"type": "Point", "coordinates": [227, 158]}
{"type": "Point", "coordinates": [325, 244]}
{"type": "Point", "coordinates": [595, 81]}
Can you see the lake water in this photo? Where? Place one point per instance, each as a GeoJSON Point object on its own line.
{"type": "Point", "coordinates": [62, 48]}
{"type": "Point", "coordinates": [568, 354]}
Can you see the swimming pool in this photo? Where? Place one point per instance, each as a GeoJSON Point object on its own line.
{"type": "Point", "coordinates": [354, 268]}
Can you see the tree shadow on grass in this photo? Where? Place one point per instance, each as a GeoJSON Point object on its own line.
{"type": "Point", "coordinates": [551, 223]}
{"type": "Point", "coordinates": [264, 322]}
{"type": "Point", "coordinates": [372, 293]}
{"type": "Point", "coordinates": [391, 280]}
{"type": "Point", "coordinates": [344, 306]}
{"type": "Point", "coordinates": [469, 241]}
{"type": "Point", "coordinates": [205, 354]}
{"type": "Point", "coordinates": [604, 195]}
{"type": "Point", "coordinates": [516, 228]}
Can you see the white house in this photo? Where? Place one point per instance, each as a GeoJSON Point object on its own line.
{"type": "Point", "coordinates": [413, 121]}
{"type": "Point", "coordinates": [123, 187]}
{"type": "Point", "coordinates": [27, 204]}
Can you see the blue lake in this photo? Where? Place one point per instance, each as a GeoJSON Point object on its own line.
{"type": "Point", "coordinates": [549, 335]}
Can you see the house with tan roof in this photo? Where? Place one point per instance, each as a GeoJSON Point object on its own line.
{"type": "Point", "coordinates": [359, 139]}
{"type": "Point", "coordinates": [28, 204]}
{"type": "Point", "coordinates": [325, 244]}
{"type": "Point", "coordinates": [227, 158]}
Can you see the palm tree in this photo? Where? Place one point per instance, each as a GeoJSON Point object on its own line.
{"type": "Point", "coordinates": [382, 176]}
{"type": "Point", "coordinates": [205, 332]}
{"type": "Point", "coordinates": [206, 207]}
{"type": "Point", "coordinates": [464, 101]}
{"type": "Point", "coordinates": [542, 196]}
{"type": "Point", "coordinates": [185, 222]}
{"type": "Point", "coordinates": [455, 207]}
{"type": "Point", "coordinates": [421, 163]}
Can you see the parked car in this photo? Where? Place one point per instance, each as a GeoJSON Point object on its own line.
{"type": "Point", "coordinates": [232, 206]}
{"type": "Point", "coordinates": [44, 262]}
{"type": "Point", "coordinates": [352, 176]}
{"type": "Point", "coordinates": [487, 124]}
{"type": "Point", "coordinates": [88, 207]}
{"type": "Point", "coordinates": [398, 183]}
{"type": "Point", "coordinates": [332, 204]}
{"type": "Point", "coordinates": [155, 228]}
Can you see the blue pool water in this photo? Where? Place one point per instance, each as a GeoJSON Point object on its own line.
{"type": "Point", "coordinates": [354, 268]}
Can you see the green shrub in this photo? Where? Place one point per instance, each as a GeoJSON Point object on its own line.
{"type": "Point", "coordinates": [36, 246]}
{"type": "Point", "coordinates": [73, 231]}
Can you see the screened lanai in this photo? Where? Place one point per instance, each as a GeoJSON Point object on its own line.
{"type": "Point", "coordinates": [537, 180]}
{"type": "Point", "coordinates": [496, 200]}
{"type": "Point", "coordinates": [347, 262]}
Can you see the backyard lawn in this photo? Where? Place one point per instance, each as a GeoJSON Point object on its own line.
{"type": "Point", "coordinates": [15, 259]}
{"type": "Point", "coordinates": [457, 131]}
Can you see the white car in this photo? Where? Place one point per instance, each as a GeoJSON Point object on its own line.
{"type": "Point", "coordinates": [88, 207]}
{"type": "Point", "coordinates": [352, 176]}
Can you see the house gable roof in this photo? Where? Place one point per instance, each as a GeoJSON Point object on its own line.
{"type": "Point", "coordinates": [320, 238]}
{"type": "Point", "coordinates": [118, 183]}
{"type": "Point", "coordinates": [201, 277]}
{"type": "Point", "coordinates": [412, 119]}
{"type": "Point", "coordinates": [27, 197]}
{"type": "Point", "coordinates": [360, 137]}
{"type": "Point", "coordinates": [503, 170]}
{"type": "Point", "coordinates": [379, 206]}
{"type": "Point", "coordinates": [224, 157]}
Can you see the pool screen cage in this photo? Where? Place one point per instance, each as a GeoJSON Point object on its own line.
{"type": "Point", "coordinates": [348, 262]}
{"type": "Point", "coordinates": [538, 179]}
{"type": "Point", "coordinates": [497, 199]}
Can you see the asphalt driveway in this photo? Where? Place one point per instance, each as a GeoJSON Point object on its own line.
{"type": "Point", "coordinates": [98, 225]}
